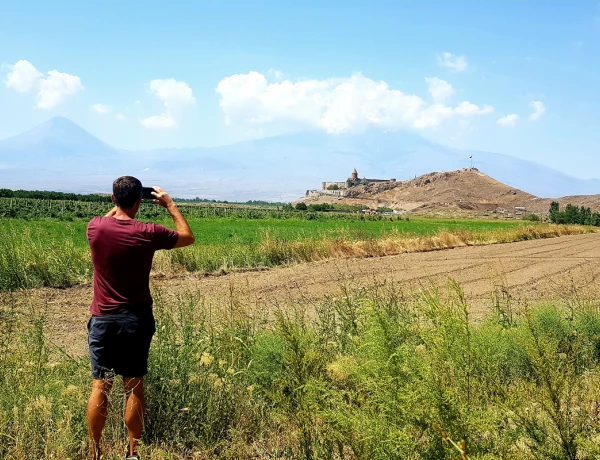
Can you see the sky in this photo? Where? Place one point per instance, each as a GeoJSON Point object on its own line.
{"type": "Point", "coordinates": [519, 78]}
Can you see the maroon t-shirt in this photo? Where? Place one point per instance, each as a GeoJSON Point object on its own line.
{"type": "Point", "coordinates": [122, 252]}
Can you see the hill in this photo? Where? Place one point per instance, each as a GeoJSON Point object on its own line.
{"type": "Point", "coordinates": [467, 190]}
{"type": "Point", "coordinates": [588, 201]}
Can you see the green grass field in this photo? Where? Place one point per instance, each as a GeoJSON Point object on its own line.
{"type": "Point", "coordinates": [54, 252]}
{"type": "Point", "coordinates": [234, 231]}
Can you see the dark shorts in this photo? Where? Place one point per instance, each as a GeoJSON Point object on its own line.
{"type": "Point", "coordinates": [119, 344]}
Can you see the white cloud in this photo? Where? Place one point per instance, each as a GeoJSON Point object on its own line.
{"type": "Point", "coordinates": [539, 110]}
{"type": "Point", "coordinates": [509, 121]}
{"type": "Point", "coordinates": [163, 121]}
{"type": "Point", "coordinates": [467, 109]}
{"type": "Point", "coordinates": [440, 90]}
{"type": "Point", "coordinates": [456, 63]}
{"type": "Point", "coordinates": [172, 92]}
{"type": "Point", "coordinates": [23, 76]}
{"type": "Point", "coordinates": [121, 117]}
{"type": "Point", "coordinates": [138, 102]}
{"type": "Point", "coordinates": [55, 88]}
{"type": "Point", "coordinates": [175, 95]}
{"type": "Point", "coordinates": [277, 74]}
{"type": "Point", "coordinates": [51, 91]}
{"type": "Point", "coordinates": [101, 109]}
{"type": "Point", "coordinates": [334, 105]}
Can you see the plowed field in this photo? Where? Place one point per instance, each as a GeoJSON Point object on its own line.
{"type": "Point", "coordinates": [530, 271]}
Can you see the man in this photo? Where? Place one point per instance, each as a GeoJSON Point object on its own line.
{"type": "Point", "coordinates": [122, 324]}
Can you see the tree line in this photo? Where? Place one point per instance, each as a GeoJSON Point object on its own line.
{"type": "Point", "coordinates": [573, 215]}
{"type": "Point", "coordinates": [326, 207]}
{"type": "Point", "coordinates": [105, 198]}
{"type": "Point", "coordinates": [48, 195]}
{"type": "Point", "coordinates": [244, 203]}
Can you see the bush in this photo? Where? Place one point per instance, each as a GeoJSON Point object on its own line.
{"type": "Point", "coordinates": [532, 218]}
{"type": "Point", "coordinates": [322, 207]}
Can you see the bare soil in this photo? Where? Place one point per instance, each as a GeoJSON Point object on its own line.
{"type": "Point", "coordinates": [533, 271]}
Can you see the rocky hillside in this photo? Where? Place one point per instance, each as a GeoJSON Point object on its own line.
{"type": "Point", "coordinates": [463, 190]}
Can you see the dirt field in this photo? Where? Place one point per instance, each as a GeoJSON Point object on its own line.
{"type": "Point", "coordinates": [531, 270]}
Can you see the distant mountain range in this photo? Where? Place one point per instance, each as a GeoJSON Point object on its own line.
{"type": "Point", "coordinates": [59, 155]}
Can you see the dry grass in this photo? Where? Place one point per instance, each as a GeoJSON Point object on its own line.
{"type": "Point", "coordinates": [28, 262]}
{"type": "Point", "coordinates": [273, 251]}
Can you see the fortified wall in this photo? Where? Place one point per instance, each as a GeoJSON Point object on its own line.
{"type": "Point", "coordinates": [341, 189]}
{"type": "Point", "coordinates": [326, 185]}
{"type": "Point", "coordinates": [317, 193]}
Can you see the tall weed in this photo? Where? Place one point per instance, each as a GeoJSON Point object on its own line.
{"type": "Point", "coordinates": [370, 374]}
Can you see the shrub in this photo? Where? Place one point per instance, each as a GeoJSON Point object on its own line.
{"type": "Point", "coordinates": [532, 218]}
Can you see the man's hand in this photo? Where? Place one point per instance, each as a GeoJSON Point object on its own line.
{"type": "Point", "coordinates": [162, 197]}
{"type": "Point", "coordinates": [186, 236]}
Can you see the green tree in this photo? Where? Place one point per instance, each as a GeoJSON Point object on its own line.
{"type": "Point", "coordinates": [301, 206]}
{"type": "Point", "coordinates": [320, 207]}
{"type": "Point", "coordinates": [585, 216]}
{"type": "Point", "coordinates": [554, 208]}
{"type": "Point", "coordinates": [572, 214]}
{"type": "Point", "coordinates": [555, 215]}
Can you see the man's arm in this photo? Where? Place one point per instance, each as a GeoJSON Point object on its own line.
{"type": "Point", "coordinates": [112, 212]}
{"type": "Point", "coordinates": [186, 236]}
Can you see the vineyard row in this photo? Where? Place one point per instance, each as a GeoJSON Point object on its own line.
{"type": "Point", "coordinates": [26, 208]}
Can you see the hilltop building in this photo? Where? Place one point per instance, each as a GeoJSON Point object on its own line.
{"type": "Point", "coordinates": [340, 188]}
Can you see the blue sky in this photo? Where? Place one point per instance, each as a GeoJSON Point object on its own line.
{"type": "Point", "coordinates": [520, 78]}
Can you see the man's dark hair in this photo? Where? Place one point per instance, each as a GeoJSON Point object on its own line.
{"type": "Point", "coordinates": [127, 190]}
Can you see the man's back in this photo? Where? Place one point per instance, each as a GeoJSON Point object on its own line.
{"type": "Point", "coordinates": [122, 252]}
{"type": "Point", "coordinates": [122, 325]}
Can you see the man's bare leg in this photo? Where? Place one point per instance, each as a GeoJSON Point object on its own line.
{"type": "Point", "coordinates": [134, 410]}
{"type": "Point", "coordinates": [96, 413]}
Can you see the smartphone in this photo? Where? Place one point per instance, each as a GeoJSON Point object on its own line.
{"type": "Point", "coordinates": [147, 193]}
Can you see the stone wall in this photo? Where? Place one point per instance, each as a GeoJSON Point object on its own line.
{"type": "Point", "coordinates": [341, 185]}
{"type": "Point", "coordinates": [317, 193]}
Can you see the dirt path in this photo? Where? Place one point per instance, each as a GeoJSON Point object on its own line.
{"type": "Point", "coordinates": [534, 270]}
